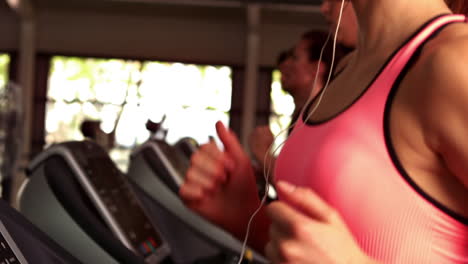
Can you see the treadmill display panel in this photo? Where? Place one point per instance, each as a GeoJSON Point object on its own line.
{"type": "Point", "coordinates": [114, 191]}
{"type": "Point", "coordinates": [177, 158]}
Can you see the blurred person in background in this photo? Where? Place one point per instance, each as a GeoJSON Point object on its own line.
{"type": "Point", "coordinates": [298, 68]}
{"type": "Point", "coordinates": [91, 129]}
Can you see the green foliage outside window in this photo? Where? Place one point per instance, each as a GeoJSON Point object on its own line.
{"type": "Point", "coordinates": [4, 63]}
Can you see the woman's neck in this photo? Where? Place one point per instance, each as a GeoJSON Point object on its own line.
{"type": "Point", "coordinates": [385, 24]}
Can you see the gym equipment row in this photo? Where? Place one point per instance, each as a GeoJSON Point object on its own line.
{"type": "Point", "coordinates": [78, 198]}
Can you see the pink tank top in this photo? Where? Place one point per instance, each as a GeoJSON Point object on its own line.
{"type": "Point", "coordinates": [349, 161]}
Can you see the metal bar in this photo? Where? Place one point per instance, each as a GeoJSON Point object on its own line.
{"type": "Point", "coordinates": [27, 55]}
{"type": "Point", "coordinates": [251, 72]}
{"type": "Point", "coordinates": [296, 5]}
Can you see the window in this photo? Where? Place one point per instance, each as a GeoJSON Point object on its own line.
{"type": "Point", "coordinates": [8, 124]}
{"type": "Point", "coordinates": [4, 63]}
{"type": "Point", "coordinates": [124, 94]}
{"type": "Point", "coordinates": [282, 108]}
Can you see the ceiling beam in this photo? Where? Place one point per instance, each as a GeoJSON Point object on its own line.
{"type": "Point", "coordinates": [309, 6]}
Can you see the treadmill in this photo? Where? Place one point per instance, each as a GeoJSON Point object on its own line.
{"type": "Point", "coordinates": [187, 145]}
{"type": "Point", "coordinates": [79, 198]}
{"type": "Point", "coordinates": [171, 162]}
{"type": "Point", "coordinates": [22, 242]}
{"type": "Point", "coordinates": [156, 170]}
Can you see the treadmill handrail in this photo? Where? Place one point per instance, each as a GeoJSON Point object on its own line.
{"type": "Point", "coordinates": [68, 157]}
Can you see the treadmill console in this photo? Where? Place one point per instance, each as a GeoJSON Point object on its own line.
{"type": "Point", "coordinates": [187, 145]}
{"type": "Point", "coordinates": [175, 157]}
{"type": "Point", "coordinates": [114, 199]}
{"type": "Point", "coordinates": [169, 162]}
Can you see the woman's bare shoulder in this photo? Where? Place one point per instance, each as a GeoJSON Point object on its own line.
{"type": "Point", "coordinates": [440, 76]}
{"type": "Point", "coordinates": [449, 42]}
{"type": "Point", "coordinates": [446, 56]}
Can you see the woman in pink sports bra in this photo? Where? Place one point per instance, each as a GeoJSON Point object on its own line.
{"type": "Point", "coordinates": [378, 173]}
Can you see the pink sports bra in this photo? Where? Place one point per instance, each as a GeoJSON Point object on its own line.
{"type": "Point", "coordinates": [349, 161]}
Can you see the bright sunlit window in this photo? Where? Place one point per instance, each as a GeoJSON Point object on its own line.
{"type": "Point", "coordinates": [4, 63]}
{"type": "Point", "coordinates": [282, 108]}
{"type": "Point", "coordinates": [124, 94]}
{"type": "Point", "coordinates": [7, 146]}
